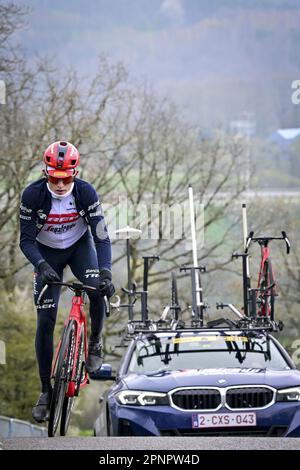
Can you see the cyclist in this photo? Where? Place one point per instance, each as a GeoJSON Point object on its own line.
{"type": "Point", "coordinates": [61, 223]}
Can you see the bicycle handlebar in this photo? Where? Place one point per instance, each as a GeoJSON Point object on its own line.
{"type": "Point", "coordinates": [264, 240]}
{"type": "Point", "coordinates": [75, 287]}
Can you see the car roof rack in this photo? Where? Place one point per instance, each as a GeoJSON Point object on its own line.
{"type": "Point", "coordinates": [170, 319]}
{"type": "Point", "coordinates": [135, 329]}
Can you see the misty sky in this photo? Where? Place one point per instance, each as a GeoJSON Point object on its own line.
{"type": "Point", "coordinates": [203, 53]}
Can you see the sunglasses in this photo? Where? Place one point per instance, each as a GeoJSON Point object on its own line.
{"type": "Point", "coordinates": [54, 180]}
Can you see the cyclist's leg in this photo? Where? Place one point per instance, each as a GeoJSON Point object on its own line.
{"type": "Point", "coordinates": [84, 265]}
{"type": "Point", "coordinates": [46, 314]}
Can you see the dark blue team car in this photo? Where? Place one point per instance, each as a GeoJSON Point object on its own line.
{"type": "Point", "coordinates": [209, 382]}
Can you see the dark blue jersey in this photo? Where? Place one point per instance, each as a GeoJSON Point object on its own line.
{"type": "Point", "coordinates": [35, 208]}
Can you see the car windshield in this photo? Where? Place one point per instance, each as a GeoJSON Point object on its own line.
{"type": "Point", "coordinates": [210, 351]}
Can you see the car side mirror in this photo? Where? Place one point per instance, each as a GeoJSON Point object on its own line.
{"type": "Point", "coordinates": [105, 373]}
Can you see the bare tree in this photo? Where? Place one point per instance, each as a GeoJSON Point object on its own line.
{"type": "Point", "coordinates": [163, 157]}
{"type": "Point", "coordinates": [43, 106]}
{"type": "Point", "coordinates": [12, 18]}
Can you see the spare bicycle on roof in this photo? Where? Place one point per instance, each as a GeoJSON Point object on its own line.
{"type": "Point", "coordinates": [259, 301]}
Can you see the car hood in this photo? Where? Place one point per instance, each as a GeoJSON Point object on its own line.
{"type": "Point", "coordinates": [168, 380]}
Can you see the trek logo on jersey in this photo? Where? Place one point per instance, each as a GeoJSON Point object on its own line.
{"type": "Point", "coordinates": [61, 223]}
{"type": "Point", "coordinates": [55, 219]}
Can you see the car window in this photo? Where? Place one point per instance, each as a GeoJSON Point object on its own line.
{"type": "Point", "coordinates": [209, 351]}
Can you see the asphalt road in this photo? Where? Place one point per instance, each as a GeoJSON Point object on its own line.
{"type": "Point", "coordinates": [153, 443]}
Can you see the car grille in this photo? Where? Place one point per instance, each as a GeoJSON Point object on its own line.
{"type": "Point", "coordinates": [273, 431]}
{"type": "Point", "coordinates": [197, 399]}
{"type": "Point", "coordinates": [251, 397]}
{"type": "Point", "coordinates": [211, 399]}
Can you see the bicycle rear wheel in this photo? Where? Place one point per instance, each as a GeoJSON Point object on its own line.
{"type": "Point", "coordinates": [62, 376]}
{"type": "Point", "coordinates": [69, 401]}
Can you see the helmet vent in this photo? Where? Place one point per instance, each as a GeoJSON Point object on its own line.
{"type": "Point", "coordinates": [73, 162]}
{"type": "Point", "coordinates": [60, 161]}
{"type": "Point", "coordinates": [63, 143]}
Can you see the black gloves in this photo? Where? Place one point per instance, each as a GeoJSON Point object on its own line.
{"type": "Point", "coordinates": [106, 286]}
{"type": "Point", "coordinates": [47, 273]}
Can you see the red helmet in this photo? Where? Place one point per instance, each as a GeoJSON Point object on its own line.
{"type": "Point", "coordinates": [61, 157]}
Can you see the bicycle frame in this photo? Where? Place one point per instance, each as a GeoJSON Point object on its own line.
{"type": "Point", "coordinates": [77, 314]}
{"type": "Point", "coordinates": [266, 310]}
{"type": "Point", "coordinates": [68, 372]}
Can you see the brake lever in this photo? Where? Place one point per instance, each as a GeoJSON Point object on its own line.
{"type": "Point", "coordinates": [287, 242]}
{"type": "Point", "coordinates": [249, 238]}
{"type": "Point", "coordinates": [107, 306]}
{"type": "Point", "coordinates": [40, 299]}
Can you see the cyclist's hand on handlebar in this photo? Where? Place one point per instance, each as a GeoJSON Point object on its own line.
{"type": "Point", "coordinates": [105, 283]}
{"type": "Point", "coordinates": [47, 273]}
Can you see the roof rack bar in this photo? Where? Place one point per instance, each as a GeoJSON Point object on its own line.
{"type": "Point", "coordinates": [197, 297]}
{"type": "Point", "coordinates": [134, 329]}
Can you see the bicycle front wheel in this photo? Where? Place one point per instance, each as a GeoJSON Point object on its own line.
{"type": "Point", "coordinates": [69, 401]}
{"type": "Point", "coordinates": [272, 293]}
{"type": "Point", "coordinates": [66, 415]}
{"type": "Point", "coordinates": [62, 376]}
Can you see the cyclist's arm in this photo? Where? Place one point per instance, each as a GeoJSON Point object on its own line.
{"type": "Point", "coordinates": [95, 217]}
{"type": "Point", "coordinates": [28, 230]}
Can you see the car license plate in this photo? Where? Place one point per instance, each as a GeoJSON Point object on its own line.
{"type": "Point", "coordinates": [220, 420]}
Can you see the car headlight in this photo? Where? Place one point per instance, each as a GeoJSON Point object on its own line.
{"type": "Point", "coordinates": [288, 394]}
{"type": "Point", "coordinates": [142, 398]}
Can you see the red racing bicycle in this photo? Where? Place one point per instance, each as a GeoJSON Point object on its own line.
{"type": "Point", "coordinates": [69, 375]}
{"type": "Point", "coordinates": [266, 291]}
